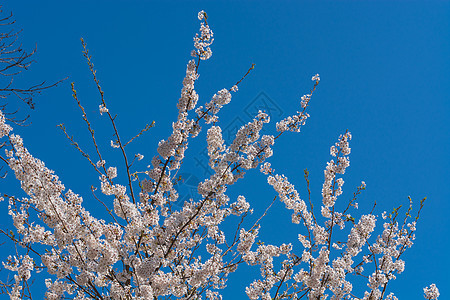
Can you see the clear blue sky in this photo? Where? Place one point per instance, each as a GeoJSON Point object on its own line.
{"type": "Point", "coordinates": [385, 76]}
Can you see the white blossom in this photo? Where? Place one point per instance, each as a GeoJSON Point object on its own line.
{"type": "Point", "coordinates": [103, 109]}
{"type": "Point", "coordinates": [4, 128]}
{"type": "Point", "coordinates": [316, 78]}
{"type": "Point", "coordinates": [431, 292]}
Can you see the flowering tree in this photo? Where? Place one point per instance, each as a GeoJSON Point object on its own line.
{"type": "Point", "coordinates": [152, 249]}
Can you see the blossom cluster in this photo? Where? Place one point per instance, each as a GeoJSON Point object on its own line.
{"type": "Point", "coordinates": [4, 128]}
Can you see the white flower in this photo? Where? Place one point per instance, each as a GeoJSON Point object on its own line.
{"type": "Point", "coordinates": [102, 109]}
{"type": "Point", "coordinates": [304, 241]}
{"type": "Point", "coordinates": [201, 15]}
{"type": "Point", "coordinates": [112, 172]}
{"type": "Point", "coordinates": [4, 128]}
{"type": "Point", "coordinates": [240, 206]}
{"type": "Point", "coordinates": [100, 163]}
{"type": "Point", "coordinates": [431, 292]}
{"type": "Point", "coordinates": [316, 78]}
{"type": "Point", "coordinates": [114, 145]}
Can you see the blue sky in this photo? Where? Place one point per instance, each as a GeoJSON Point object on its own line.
{"type": "Point", "coordinates": [384, 69]}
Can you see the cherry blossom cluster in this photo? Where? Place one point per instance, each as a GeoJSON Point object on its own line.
{"type": "Point", "coordinates": [332, 187]}
{"type": "Point", "coordinates": [150, 248]}
{"type": "Point", "coordinates": [4, 128]}
{"type": "Point", "coordinates": [322, 264]}
{"type": "Point", "coordinates": [209, 112]}
{"type": "Point", "coordinates": [202, 42]}
{"type": "Point", "coordinates": [288, 195]}
{"type": "Point", "coordinates": [431, 292]}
